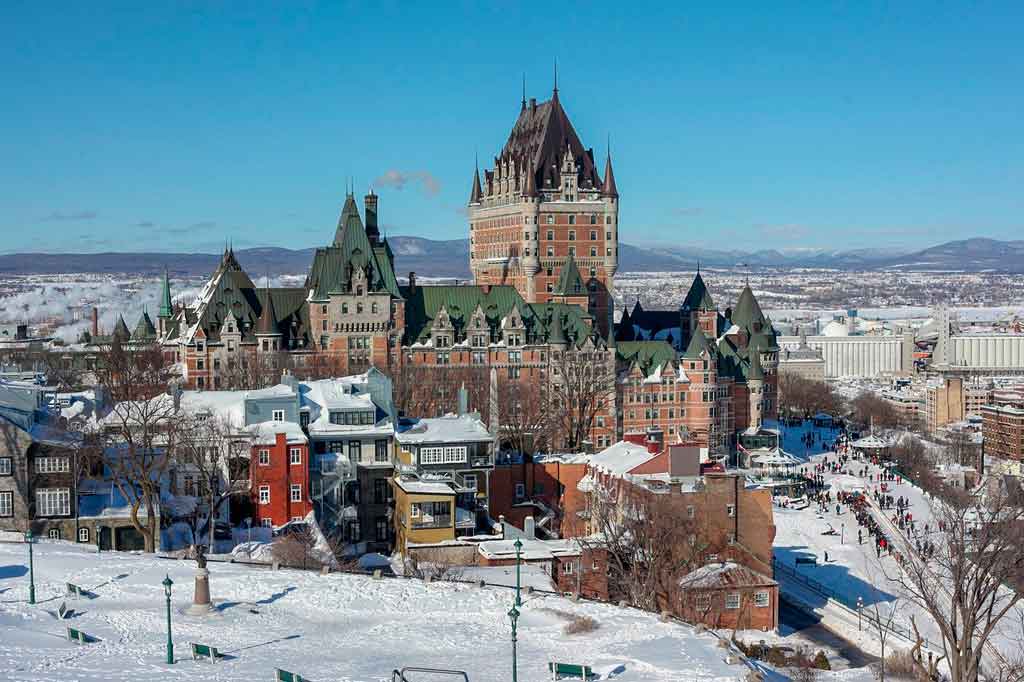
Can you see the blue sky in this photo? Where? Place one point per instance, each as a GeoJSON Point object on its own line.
{"type": "Point", "coordinates": [170, 126]}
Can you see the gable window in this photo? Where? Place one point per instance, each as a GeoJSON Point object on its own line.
{"type": "Point", "coordinates": [277, 415]}
{"type": "Point", "coordinates": [264, 494]}
{"type": "Point", "coordinates": [295, 456]}
{"type": "Point", "coordinates": [296, 492]}
{"type": "Point", "coordinates": [6, 466]}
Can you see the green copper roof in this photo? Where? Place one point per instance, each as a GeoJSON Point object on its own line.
{"type": "Point", "coordinates": [756, 372]}
{"type": "Point", "coordinates": [698, 297]}
{"type": "Point", "coordinates": [267, 322]}
{"type": "Point", "coordinates": [166, 308]}
{"type": "Point", "coordinates": [698, 344]}
{"type": "Point", "coordinates": [747, 311]}
{"type": "Point", "coordinates": [556, 335]}
{"type": "Point", "coordinates": [121, 332]}
{"type": "Point", "coordinates": [570, 283]}
{"type": "Point", "coordinates": [649, 355]}
{"type": "Point", "coordinates": [144, 330]}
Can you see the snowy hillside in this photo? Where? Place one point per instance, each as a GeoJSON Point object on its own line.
{"type": "Point", "coordinates": [325, 627]}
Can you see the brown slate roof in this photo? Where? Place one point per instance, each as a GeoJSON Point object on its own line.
{"type": "Point", "coordinates": [539, 139]}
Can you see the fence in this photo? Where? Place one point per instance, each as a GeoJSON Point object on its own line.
{"type": "Point", "coordinates": [869, 617]}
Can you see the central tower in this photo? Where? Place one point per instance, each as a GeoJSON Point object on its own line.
{"type": "Point", "coordinates": [543, 205]}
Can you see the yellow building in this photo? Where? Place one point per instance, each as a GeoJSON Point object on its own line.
{"type": "Point", "coordinates": [424, 511]}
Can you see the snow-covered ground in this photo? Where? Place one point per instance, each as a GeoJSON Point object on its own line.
{"type": "Point", "coordinates": [854, 570]}
{"type": "Point", "coordinates": [335, 627]}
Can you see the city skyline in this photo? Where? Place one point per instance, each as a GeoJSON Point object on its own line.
{"type": "Point", "coordinates": [157, 129]}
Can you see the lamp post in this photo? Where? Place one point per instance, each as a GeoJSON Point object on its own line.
{"type": "Point", "coordinates": [31, 569]}
{"type": "Point", "coordinates": [167, 582]}
{"type": "Point", "coordinates": [842, 536]}
{"type": "Point", "coordinates": [514, 611]}
{"type": "Point", "coordinates": [860, 605]}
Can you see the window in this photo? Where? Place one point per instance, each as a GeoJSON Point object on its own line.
{"type": "Point", "coordinates": [202, 365]}
{"type": "Point", "coordinates": [703, 603]}
{"type": "Point", "coordinates": [380, 452]}
{"type": "Point", "coordinates": [593, 235]}
{"type": "Point", "coordinates": [520, 491]}
{"type": "Point", "coordinates": [551, 220]}
{"type": "Point", "coordinates": [6, 467]}
{"type": "Point", "coordinates": [54, 534]}
{"type": "Point", "coordinates": [52, 465]}
{"type": "Point", "coordinates": [264, 494]}
{"type": "Point", "coordinates": [327, 464]}
{"type": "Point", "coordinates": [572, 234]}
{"type": "Point", "coordinates": [189, 485]}
{"type": "Point", "coordinates": [277, 415]}
{"type": "Point", "coordinates": [355, 450]}
{"type": "Point", "coordinates": [295, 456]}
{"type": "Point", "coordinates": [608, 236]}
{"type": "Point", "coordinates": [295, 492]}
{"type": "Point", "coordinates": [6, 503]}
{"type": "Point", "coordinates": [267, 523]}
{"type": "Point", "coordinates": [567, 568]}
{"type": "Point", "coordinates": [83, 535]}
{"type": "Point", "coordinates": [304, 420]}
{"type": "Point", "coordinates": [732, 600]}
{"type": "Point", "coordinates": [551, 235]}
{"type": "Point", "coordinates": [264, 458]}
{"type": "Point", "coordinates": [593, 254]}
{"type": "Point", "coordinates": [730, 509]}
{"type": "Point", "coordinates": [690, 512]}
{"type": "Point", "coordinates": [381, 528]}
{"type": "Point", "coordinates": [761, 599]}
{"type": "Point", "coordinates": [551, 251]}
{"type": "Point", "coordinates": [470, 481]}
{"type": "Point", "coordinates": [572, 250]}
{"type": "Point", "coordinates": [451, 454]}
{"type": "Point", "coordinates": [53, 502]}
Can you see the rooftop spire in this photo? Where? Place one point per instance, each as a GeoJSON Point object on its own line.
{"type": "Point", "coordinates": [609, 189]}
{"type": "Point", "coordinates": [554, 93]}
{"type": "Point", "coordinates": [524, 92]}
{"type": "Point", "coordinates": [476, 193]}
{"type": "Point", "coordinates": [166, 309]}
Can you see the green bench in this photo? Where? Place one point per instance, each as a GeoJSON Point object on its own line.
{"type": "Point", "coordinates": [63, 611]}
{"type": "Point", "coordinates": [72, 590]}
{"type": "Point", "coordinates": [204, 651]}
{"type": "Point", "coordinates": [79, 637]}
{"type": "Point", "coordinates": [285, 676]}
{"type": "Point", "coordinates": [570, 670]}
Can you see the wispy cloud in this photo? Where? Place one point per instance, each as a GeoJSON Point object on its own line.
{"type": "Point", "coordinates": [71, 215]}
{"type": "Point", "coordinates": [786, 231]}
{"type": "Point", "coordinates": [145, 223]}
{"type": "Point", "coordinates": [397, 179]}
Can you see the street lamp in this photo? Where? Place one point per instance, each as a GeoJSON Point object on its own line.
{"type": "Point", "coordinates": [31, 569]}
{"type": "Point", "coordinates": [514, 612]}
{"type": "Point", "coordinates": [860, 605]}
{"type": "Point", "coordinates": [167, 582]}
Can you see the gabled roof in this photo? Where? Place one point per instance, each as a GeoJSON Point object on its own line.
{"type": "Point", "coordinates": [648, 355]}
{"type": "Point", "coordinates": [570, 282]}
{"type": "Point", "coordinates": [333, 266]}
{"type": "Point", "coordinates": [756, 372]}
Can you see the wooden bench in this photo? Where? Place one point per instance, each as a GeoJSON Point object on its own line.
{"type": "Point", "coordinates": [285, 676]}
{"type": "Point", "coordinates": [63, 611]}
{"type": "Point", "coordinates": [204, 651]}
{"type": "Point", "coordinates": [79, 637]}
{"type": "Point", "coordinates": [72, 590]}
{"type": "Point", "coordinates": [570, 670]}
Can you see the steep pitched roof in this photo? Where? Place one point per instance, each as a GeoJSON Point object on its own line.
{"type": "Point", "coordinates": [144, 330]}
{"type": "Point", "coordinates": [756, 372]}
{"type": "Point", "coordinates": [539, 139]}
{"type": "Point", "coordinates": [333, 266]}
{"type": "Point", "coordinates": [698, 297]}
{"type": "Point", "coordinates": [166, 308]}
{"type": "Point", "coordinates": [476, 192]}
{"type": "Point", "coordinates": [570, 282]}
{"type": "Point", "coordinates": [121, 332]}
{"type": "Point", "coordinates": [267, 322]}
{"type": "Point", "coordinates": [609, 189]}
{"type": "Point", "coordinates": [698, 344]}
{"type": "Point", "coordinates": [747, 310]}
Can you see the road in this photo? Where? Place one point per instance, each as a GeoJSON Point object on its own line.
{"type": "Point", "coordinates": [809, 627]}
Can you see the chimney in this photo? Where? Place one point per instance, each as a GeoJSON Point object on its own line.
{"type": "Point", "coordinates": [372, 231]}
{"type": "Point", "coordinates": [95, 322]}
{"type": "Point", "coordinates": [635, 438]}
{"type": "Point", "coordinates": [533, 105]}
{"type": "Point", "coordinates": [412, 282]}
{"type": "Point", "coordinates": [529, 528]}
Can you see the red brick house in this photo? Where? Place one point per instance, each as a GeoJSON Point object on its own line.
{"type": "Point", "coordinates": [729, 596]}
{"type": "Point", "coordinates": [573, 567]}
{"type": "Point", "coordinates": [279, 471]}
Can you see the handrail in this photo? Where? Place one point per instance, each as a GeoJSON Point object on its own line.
{"type": "Point", "coordinates": [399, 675]}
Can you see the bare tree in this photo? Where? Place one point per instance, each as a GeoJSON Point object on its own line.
{"type": "Point", "coordinates": [803, 397]}
{"type": "Point", "coordinates": [203, 448]}
{"type": "Point", "coordinates": [965, 583]}
{"type": "Point", "coordinates": [432, 391]}
{"type": "Point", "coordinates": [526, 419]}
{"type": "Point", "coordinates": [134, 438]}
{"type": "Point", "coordinates": [582, 386]}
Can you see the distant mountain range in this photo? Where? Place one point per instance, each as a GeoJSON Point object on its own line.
{"type": "Point", "coordinates": [450, 258]}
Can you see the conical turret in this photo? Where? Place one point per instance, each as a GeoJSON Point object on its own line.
{"type": "Point", "coordinates": [267, 324]}
{"type": "Point", "coordinates": [609, 189]}
{"type": "Point", "coordinates": [476, 193]}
